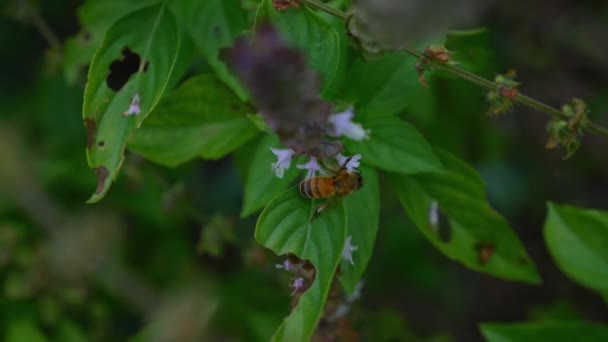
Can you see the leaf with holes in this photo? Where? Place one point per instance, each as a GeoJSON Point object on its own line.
{"type": "Point", "coordinates": [394, 145]}
{"type": "Point", "coordinates": [202, 118]}
{"type": "Point", "coordinates": [472, 232]}
{"type": "Point", "coordinates": [544, 331]}
{"type": "Point", "coordinates": [284, 227]}
{"type": "Point", "coordinates": [95, 17]}
{"type": "Point", "coordinates": [307, 30]}
{"type": "Point", "coordinates": [262, 185]}
{"type": "Point", "coordinates": [578, 241]}
{"type": "Point", "coordinates": [363, 216]}
{"type": "Point", "coordinates": [127, 77]}
{"type": "Point", "coordinates": [215, 24]}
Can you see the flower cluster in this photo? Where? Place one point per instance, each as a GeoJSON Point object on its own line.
{"type": "Point", "coordinates": [342, 126]}
{"type": "Point", "coordinates": [284, 90]}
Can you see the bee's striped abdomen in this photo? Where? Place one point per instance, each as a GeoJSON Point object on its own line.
{"type": "Point", "coordinates": [318, 187]}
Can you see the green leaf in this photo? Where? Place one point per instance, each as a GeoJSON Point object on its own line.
{"type": "Point", "coordinates": [152, 37]}
{"type": "Point", "coordinates": [578, 241]}
{"type": "Point", "coordinates": [95, 17]}
{"type": "Point", "coordinates": [284, 227]}
{"type": "Point", "coordinates": [363, 216]}
{"type": "Point", "coordinates": [473, 233]}
{"type": "Point", "coordinates": [382, 86]}
{"type": "Point", "coordinates": [262, 185]}
{"type": "Point", "coordinates": [202, 118]}
{"type": "Point", "coordinates": [394, 145]}
{"type": "Point", "coordinates": [215, 24]}
{"type": "Point", "coordinates": [544, 331]}
{"type": "Point", "coordinates": [23, 330]}
{"type": "Point", "coordinates": [306, 30]}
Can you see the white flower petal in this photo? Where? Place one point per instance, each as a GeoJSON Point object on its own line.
{"type": "Point", "coordinates": [312, 166]}
{"type": "Point", "coordinates": [352, 164]}
{"type": "Point", "coordinates": [347, 252]}
{"type": "Point", "coordinates": [344, 126]}
{"type": "Point", "coordinates": [283, 160]}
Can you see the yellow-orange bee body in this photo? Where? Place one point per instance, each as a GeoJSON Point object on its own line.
{"type": "Point", "coordinates": [341, 184]}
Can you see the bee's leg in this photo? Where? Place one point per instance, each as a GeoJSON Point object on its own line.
{"type": "Point", "coordinates": [320, 208]}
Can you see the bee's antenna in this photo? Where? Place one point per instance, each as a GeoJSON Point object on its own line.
{"type": "Point", "coordinates": [343, 166]}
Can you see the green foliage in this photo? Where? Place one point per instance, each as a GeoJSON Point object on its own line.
{"type": "Point", "coordinates": [202, 118]}
{"type": "Point", "coordinates": [261, 185]}
{"type": "Point", "coordinates": [162, 85]}
{"type": "Point", "coordinates": [23, 330]}
{"type": "Point", "coordinates": [474, 233]}
{"type": "Point", "coordinates": [214, 24]}
{"type": "Point", "coordinates": [307, 30]}
{"type": "Point", "coordinates": [285, 227]}
{"type": "Point", "coordinates": [395, 146]}
{"type": "Point", "coordinates": [577, 239]}
{"type": "Point", "coordinates": [381, 86]}
{"type": "Point", "coordinates": [363, 216]}
{"type": "Point", "coordinates": [105, 104]}
{"type": "Point", "coordinates": [544, 331]}
{"type": "Point", "coordinates": [95, 18]}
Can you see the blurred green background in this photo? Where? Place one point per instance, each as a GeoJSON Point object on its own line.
{"type": "Point", "coordinates": [165, 254]}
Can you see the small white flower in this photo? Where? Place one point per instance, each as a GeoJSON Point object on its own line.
{"type": "Point", "coordinates": [297, 285]}
{"type": "Point", "coordinates": [286, 265]}
{"type": "Point", "coordinates": [344, 126]}
{"type": "Point", "coordinates": [434, 214]}
{"type": "Point", "coordinates": [283, 160]}
{"type": "Point", "coordinates": [134, 108]}
{"type": "Point", "coordinates": [312, 166]}
{"type": "Point", "coordinates": [352, 164]}
{"type": "Point", "coordinates": [347, 252]}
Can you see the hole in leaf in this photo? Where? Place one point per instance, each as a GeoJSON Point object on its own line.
{"type": "Point", "coordinates": [122, 69]}
{"type": "Point", "coordinates": [485, 251]}
{"type": "Point", "coordinates": [101, 144]}
{"type": "Point", "coordinates": [91, 127]}
{"type": "Point", "coordinates": [102, 173]}
{"type": "Point", "coordinates": [304, 273]}
{"type": "Point", "coordinates": [146, 65]}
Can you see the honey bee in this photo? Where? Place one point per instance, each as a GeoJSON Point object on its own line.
{"type": "Point", "coordinates": [342, 183]}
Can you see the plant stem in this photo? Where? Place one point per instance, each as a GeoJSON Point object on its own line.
{"type": "Point", "coordinates": [483, 82]}
{"type": "Point", "coordinates": [46, 31]}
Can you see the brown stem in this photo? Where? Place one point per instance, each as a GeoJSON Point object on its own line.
{"type": "Point", "coordinates": [483, 82]}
